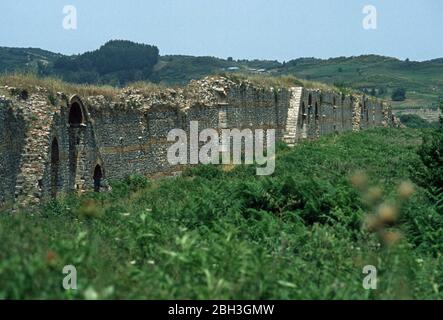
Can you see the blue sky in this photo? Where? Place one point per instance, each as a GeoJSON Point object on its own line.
{"type": "Point", "coordinates": [244, 29]}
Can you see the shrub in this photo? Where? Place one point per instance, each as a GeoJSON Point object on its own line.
{"type": "Point", "coordinates": [398, 94]}
{"type": "Point", "coordinates": [431, 154]}
{"type": "Point", "coordinates": [208, 171]}
{"type": "Point", "coordinates": [415, 121]}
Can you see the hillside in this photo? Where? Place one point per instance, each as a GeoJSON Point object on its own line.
{"type": "Point", "coordinates": [121, 62]}
{"type": "Point", "coordinates": [423, 81]}
{"type": "Point", "coordinates": [179, 69]}
{"type": "Point", "coordinates": [305, 232]}
{"type": "Point", "coordinates": [25, 59]}
{"type": "Point", "coordinates": [375, 75]}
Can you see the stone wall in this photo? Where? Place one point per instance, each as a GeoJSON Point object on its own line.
{"type": "Point", "coordinates": [12, 141]}
{"type": "Point", "coordinates": [63, 148]}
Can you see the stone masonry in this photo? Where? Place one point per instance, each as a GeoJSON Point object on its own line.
{"type": "Point", "coordinates": [47, 150]}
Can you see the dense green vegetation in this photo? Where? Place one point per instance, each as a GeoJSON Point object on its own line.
{"type": "Point", "coordinates": [398, 94]}
{"type": "Point", "coordinates": [120, 62]}
{"type": "Point", "coordinates": [116, 62]}
{"type": "Point", "coordinates": [332, 206]}
{"type": "Point", "coordinates": [431, 153]}
{"type": "Point", "coordinates": [415, 121]}
{"type": "Point", "coordinates": [181, 69]}
{"type": "Point", "coordinates": [25, 59]}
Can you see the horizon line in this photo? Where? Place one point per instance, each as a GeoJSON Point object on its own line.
{"type": "Point", "coordinates": [234, 59]}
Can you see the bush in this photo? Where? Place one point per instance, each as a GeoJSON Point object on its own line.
{"type": "Point", "coordinates": [416, 122]}
{"type": "Point", "coordinates": [431, 154]}
{"type": "Point", "coordinates": [399, 94]}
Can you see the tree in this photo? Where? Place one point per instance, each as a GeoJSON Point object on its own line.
{"type": "Point", "coordinates": [116, 62]}
{"type": "Point", "coordinates": [398, 94]}
{"type": "Point", "coordinates": [381, 91]}
{"type": "Point", "coordinates": [415, 121]}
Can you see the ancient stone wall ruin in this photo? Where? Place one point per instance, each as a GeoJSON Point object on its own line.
{"type": "Point", "coordinates": [50, 149]}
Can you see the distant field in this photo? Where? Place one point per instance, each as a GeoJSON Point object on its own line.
{"type": "Point", "coordinates": [225, 233]}
{"type": "Point", "coordinates": [423, 81]}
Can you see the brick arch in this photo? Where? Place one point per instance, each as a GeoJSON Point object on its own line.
{"type": "Point", "coordinates": [76, 112]}
{"type": "Point", "coordinates": [98, 176]}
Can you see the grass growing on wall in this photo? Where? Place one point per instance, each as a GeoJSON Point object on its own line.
{"type": "Point", "coordinates": [284, 81]}
{"type": "Point", "coordinates": [30, 83]}
{"type": "Point", "coordinates": [223, 232]}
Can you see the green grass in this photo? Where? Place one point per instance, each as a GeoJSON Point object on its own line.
{"type": "Point", "coordinates": [415, 121]}
{"type": "Point", "coordinates": [223, 232]}
{"type": "Point", "coordinates": [31, 82]}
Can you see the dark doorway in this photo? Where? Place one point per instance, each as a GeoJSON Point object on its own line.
{"type": "Point", "coordinates": [98, 175]}
{"type": "Point", "coordinates": [309, 115]}
{"type": "Point", "coordinates": [303, 114]}
{"type": "Point", "coordinates": [55, 164]}
{"type": "Point", "coordinates": [75, 115]}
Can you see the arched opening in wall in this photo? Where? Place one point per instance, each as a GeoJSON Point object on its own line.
{"type": "Point", "coordinates": [335, 114]}
{"type": "Point", "coordinates": [316, 127]}
{"type": "Point", "coordinates": [310, 100]}
{"type": "Point", "coordinates": [75, 115]}
{"type": "Point", "coordinates": [76, 132]}
{"type": "Point", "coordinates": [367, 114]}
{"type": "Point", "coordinates": [343, 112]}
{"type": "Point", "coordinates": [98, 175]}
{"type": "Point", "coordinates": [309, 115]}
{"type": "Point", "coordinates": [55, 165]}
{"type": "Point", "coordinates": [303, 114]}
